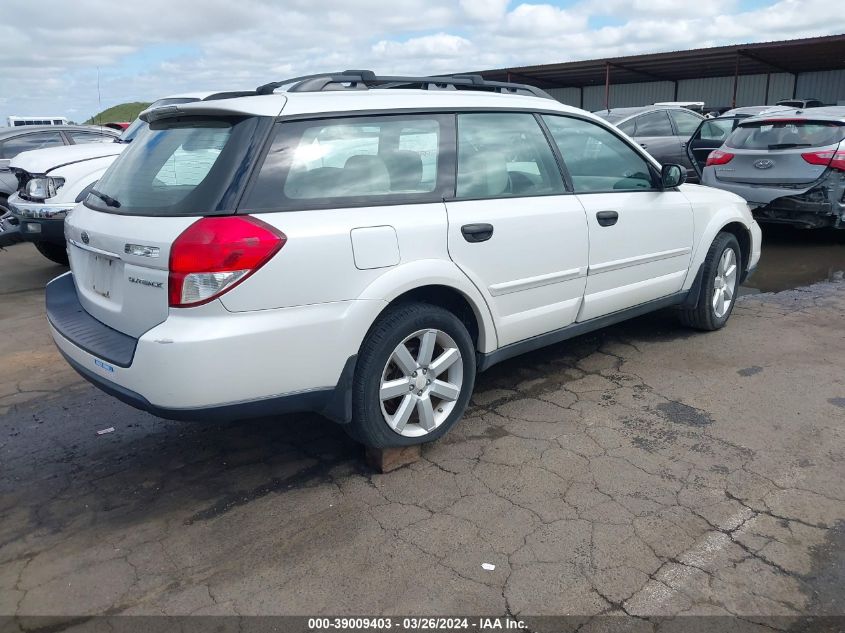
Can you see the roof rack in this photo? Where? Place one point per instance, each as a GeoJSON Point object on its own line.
{"type": "Point", "coordinates": [367, 80]}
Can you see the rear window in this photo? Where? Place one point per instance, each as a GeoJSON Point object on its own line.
{"type": "Point", "coordinates": [180, 166]}
{"type": "Point", "coordinates": [786, 134]}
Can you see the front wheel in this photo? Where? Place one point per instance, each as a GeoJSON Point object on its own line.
{"type": "Point", "coordinates": [54, 252]}
{"type": "Point", "coordinates": [719, 285]}
{"type": "Point", "coordinates": [414, 378]}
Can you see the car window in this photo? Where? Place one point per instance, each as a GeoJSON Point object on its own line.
{"type": "Point", "coordinates": [654, 124]}
{"type": "Point", "coordinates": [629, 127]}
{"type": "Point", "coordinates": [26, 142]}
{"type": "Point", "coordinates": [90, 137]}
{"type": "Point", "coordinates": [716, 129]}
{"type": "Point", "coordinates": [686, 122]}
{"type": "Point", "coordinates": [351, 162]}
{"type": "Point", "coordinates": [597, 159]}
{"type": "Point", "coordinates": [504, 154]}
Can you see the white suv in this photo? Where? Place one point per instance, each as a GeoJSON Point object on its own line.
{"type": "Point", "coordinates": [361, 246]}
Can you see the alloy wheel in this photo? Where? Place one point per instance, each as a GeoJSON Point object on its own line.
{"type": "Point", "coordinates": [724, 285]}
{"type": "Point", "coordinates": [421, 382]}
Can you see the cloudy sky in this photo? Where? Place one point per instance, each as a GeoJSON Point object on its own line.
{"type": "Point", "coordinates": [50, 55]}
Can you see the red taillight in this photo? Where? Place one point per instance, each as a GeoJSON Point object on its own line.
{"type": "Point", "coordinates": [718, 157]}
{"type": "Point", "coordinates": [827, 158]}
{"type": "Point", "coordinates": [213, 255]}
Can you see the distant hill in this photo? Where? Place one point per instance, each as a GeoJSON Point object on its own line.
{"type": "Point", "coordinates": [122, 112]}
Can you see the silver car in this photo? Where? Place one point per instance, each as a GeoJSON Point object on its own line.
{"type": "Point", "coordinates": [789, 166]}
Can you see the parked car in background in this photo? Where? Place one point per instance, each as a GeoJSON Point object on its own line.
{"type": "Point", "coordinates": [50, 182]}
{"type": "Point", "coordinates": [361, 247]}
{"type": "Point", "coordinates": [801, 104]}
{"type": "Point", "coordinates": [663, 131]}
{"type": "Point", "coordinates": [15, 140]}
{"type": "Point", "coordinates": [712, 132]}
{"type": "Point", "coordinates": [789, 166]}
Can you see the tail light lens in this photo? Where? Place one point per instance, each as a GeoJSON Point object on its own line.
{"type": "Point", "coordinates": [828, 158]}
{"type": "Point", "coordinates": [718, 157]}
{"type": "Point", "coordinates": [213, 255]}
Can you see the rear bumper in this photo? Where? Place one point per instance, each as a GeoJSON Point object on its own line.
{"type": "Point", "coordinates": [334, 403]}
{"type": "Point", "coordinates": [226, 366]}
{"type": "Point", "coordinates": [821, 204]}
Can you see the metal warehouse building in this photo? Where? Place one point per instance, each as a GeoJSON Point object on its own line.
{"type": "Point", "coordinates": [740, 75]}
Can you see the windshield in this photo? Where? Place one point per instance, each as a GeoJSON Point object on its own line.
{"type": "Point", "coordinates": [785, 134]}
{"type": "Point", "coordinates": [181, 166]}
{"type": "Point", "coordinates": [132, 131]}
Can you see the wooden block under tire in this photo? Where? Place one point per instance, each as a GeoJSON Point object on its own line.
{"type": "Point", "coordinates": [385, 460]}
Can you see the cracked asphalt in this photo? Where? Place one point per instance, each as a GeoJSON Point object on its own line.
{"type": "Point", "coordinates": [643, 470]}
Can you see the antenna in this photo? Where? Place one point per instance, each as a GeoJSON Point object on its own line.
{"type": "Point", "coordinates": [99, 100]}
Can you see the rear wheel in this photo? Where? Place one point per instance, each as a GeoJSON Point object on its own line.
{"type": "Point", "coordinates": [53, 252]}
{"type": "Point", "coordinates": [719, 285]}
{"type": "Point", "coordinates": [414, 377]}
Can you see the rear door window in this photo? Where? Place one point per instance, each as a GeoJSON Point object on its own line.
{"type": "Point", "coordinates": [355, 161]}
{"type": "Point", "coordinates": [181, 166]}
{"type": "Point", "coordinates": [716, 129]}
{"type": "Point", "coordinates": [785, 134]}
{"type": "Point", "coordinates": [654, 124]}
{"type": "Point", "coordinates": [502, 154]}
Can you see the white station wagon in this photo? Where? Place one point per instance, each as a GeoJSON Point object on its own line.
{"type": "Point", "coordinates": [361, 246]}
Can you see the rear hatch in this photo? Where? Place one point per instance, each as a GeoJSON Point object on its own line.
{"type": "Point", "coordinates": [175, 172]}
{"type": "Point", "coordinates": [779, 152]}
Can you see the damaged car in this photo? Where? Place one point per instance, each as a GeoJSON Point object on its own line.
{"type": "Point", "coordinates": [789, 166]}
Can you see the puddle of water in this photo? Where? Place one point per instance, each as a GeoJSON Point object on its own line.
{"type": "Point", "coordinates": [793, 258]}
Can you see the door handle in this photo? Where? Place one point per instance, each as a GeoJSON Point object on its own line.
{"type": "Point", "coordinates": [477, 232]}
{"type": "Point", "coordinates": [607, 218]}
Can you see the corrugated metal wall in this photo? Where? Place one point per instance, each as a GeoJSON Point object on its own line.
{"type": "Point", "coordinates": [569, 96]}
{"type": "Point", "coordinates": [829, 86]}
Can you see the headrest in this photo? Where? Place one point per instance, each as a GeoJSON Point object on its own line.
{"type": "Point", "coordinates": [406, 168]}
{"type": "Point", "coordinates": [365, 175]}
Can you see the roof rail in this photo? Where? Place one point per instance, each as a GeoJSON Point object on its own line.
{"type": "Point", "coordinates": [367, 80]}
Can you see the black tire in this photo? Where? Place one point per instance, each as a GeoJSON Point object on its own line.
{"type": "Point", "coordinates": [703, 316]}
{"type": "Point", "coordinates": [53, 252]}
{"type": "Point", "coordinates": [368, 425]}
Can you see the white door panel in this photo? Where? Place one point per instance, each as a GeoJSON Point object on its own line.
{"type": "Point", "coordinates": [606, 300]}
{"type": "Point", "coordinates": [643, 256]}
{"type": "Point", "coordinates": [532, 271]}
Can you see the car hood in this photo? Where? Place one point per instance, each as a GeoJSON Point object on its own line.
{"type": "Point", "coordinates": [41, 161]}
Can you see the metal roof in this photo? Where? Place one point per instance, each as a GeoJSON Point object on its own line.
{"type": "Point", "coordinates": [791, 56]}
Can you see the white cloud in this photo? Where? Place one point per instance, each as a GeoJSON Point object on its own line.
{"type": "Point", "coordinates": [146, 50]}
{"type": "Point", "coordinates": [484, 10]}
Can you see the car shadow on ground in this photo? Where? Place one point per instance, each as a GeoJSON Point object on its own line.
{"type": "Point", "coordinates": [199, 470]}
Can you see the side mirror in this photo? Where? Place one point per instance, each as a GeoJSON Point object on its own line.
{"type": "Point", "coordinates": [672, 176]}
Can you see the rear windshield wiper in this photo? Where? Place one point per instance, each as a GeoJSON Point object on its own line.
{"type": "Point", "coordinates": [112, 202]}
{"type": "Point", "coordinates": [788, 145]}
